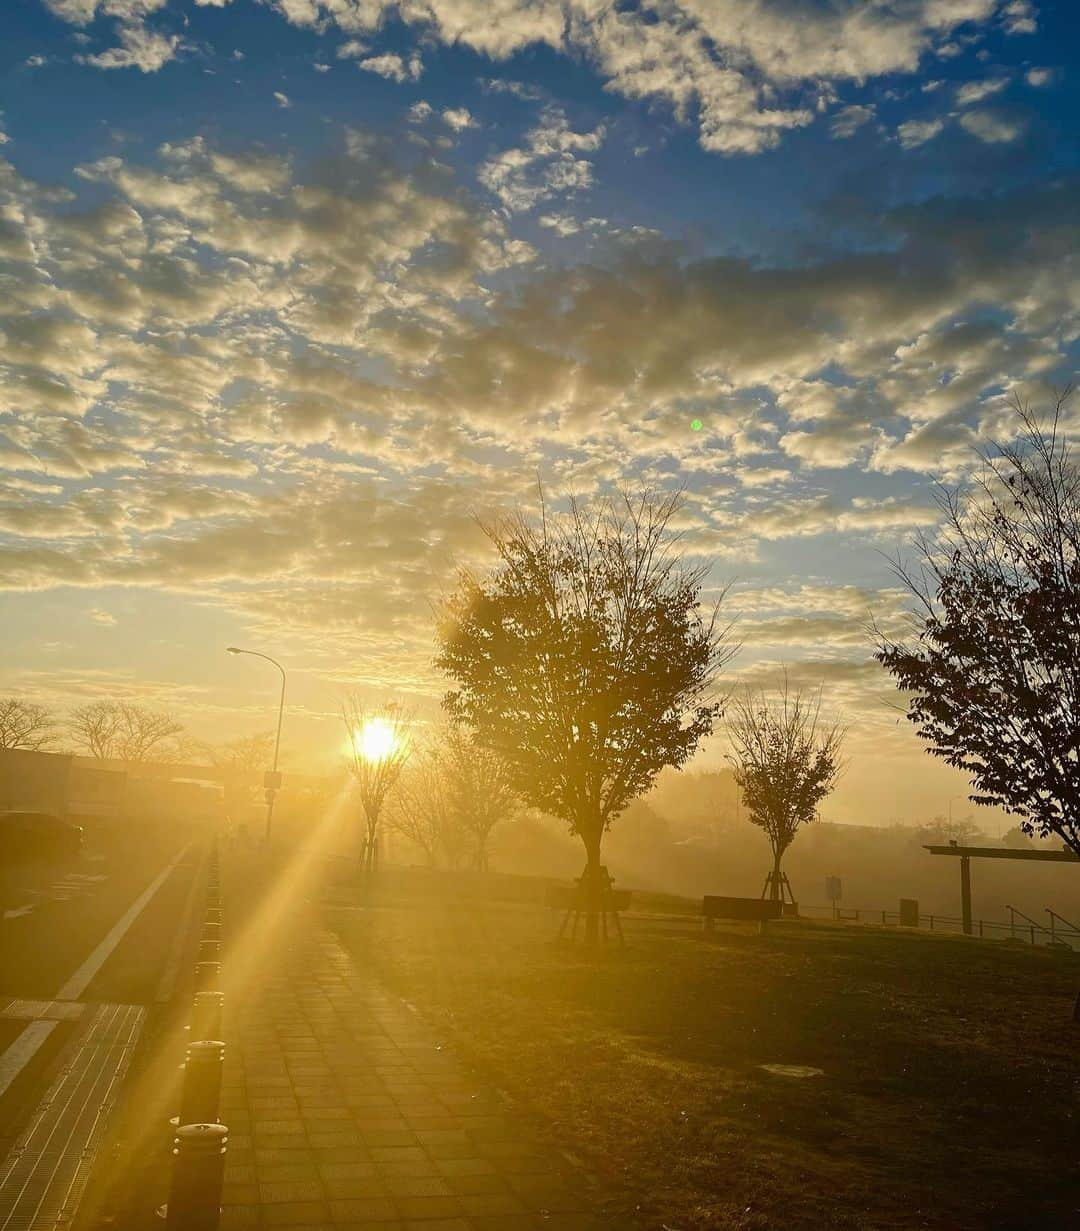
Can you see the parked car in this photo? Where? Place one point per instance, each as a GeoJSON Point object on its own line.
{"type": "Point", "coordinates": [38, 835]}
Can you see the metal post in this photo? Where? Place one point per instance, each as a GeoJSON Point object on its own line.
{"type": "Point", "coordinates": [198, 1175]}
{"type": "Point", "coordinates": [201, 1092]}
{"type": "Point", "coordinates": [206, 1011]}
{"type": "Point", "coordinates": [965, 892]}
{"type": "Point", "coordinates": [207, 976]}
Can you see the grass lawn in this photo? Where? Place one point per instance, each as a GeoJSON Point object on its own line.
{"type": "Point", "coordinates": [948, 1097]}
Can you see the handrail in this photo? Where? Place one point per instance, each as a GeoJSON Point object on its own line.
{"type": "Point", "coordinates": [1026, 918]}
{"type": "Point", "coordinates": [1054, 916]}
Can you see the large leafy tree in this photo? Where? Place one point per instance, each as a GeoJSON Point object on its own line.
{"type": "Point", "coordinates": [991, 665]}
{"type": "Point", "coordinates": [584, 659]}
{"type": "Point", "coordinates": [786, 762]}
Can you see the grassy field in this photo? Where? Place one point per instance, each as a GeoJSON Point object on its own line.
{"type": "Point", "coordinates": [948, 1097]}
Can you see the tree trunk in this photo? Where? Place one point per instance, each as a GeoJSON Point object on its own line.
{"type": "Point", "coordinates": [776, 895]}
{"type": "Point", "coordinates": [592, 887]}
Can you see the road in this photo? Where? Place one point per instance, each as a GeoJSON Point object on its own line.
{"type": "Point", "coordinates": [63, 936]}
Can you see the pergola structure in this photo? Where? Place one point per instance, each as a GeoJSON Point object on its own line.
{"type": "Point", "coordinates": [967, 853]}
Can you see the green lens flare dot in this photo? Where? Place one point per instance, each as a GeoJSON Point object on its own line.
{"type": "Point", "coordinates": [695, 425]}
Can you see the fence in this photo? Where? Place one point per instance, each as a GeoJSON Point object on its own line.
{"type": "Point", "coordinates": [1020, 927]}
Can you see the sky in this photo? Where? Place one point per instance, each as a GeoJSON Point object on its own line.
{"type": "Point", "coordinates": [292, 290]}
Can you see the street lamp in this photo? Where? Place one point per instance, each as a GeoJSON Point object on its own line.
{"type": "Point", "coordinates": [963, 795]}
{"type": "Point", "coordinates": [271, 780]}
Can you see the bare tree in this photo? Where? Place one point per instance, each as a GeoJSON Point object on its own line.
{"type": "Point", "coordinates": [239, 759]}
{"type": "Point", "coordinates": [786, 762]}
{"type": "Point", "coordinates": [379, 742]}
{"type": "Point", "coordinates": [992, 662]}
{"type": "Point", "coordinates": [121, 730]}
{"type": "Point", "coordinates": [422, 809]}
{"type": "Point", "coordinates": [24, 724]}
{"type": "Point", "coordinates": [246, 754]}
{"type": "Point", "coordinates": [584, 660]}
{"type": "Point", "coordinates": [481, 791]}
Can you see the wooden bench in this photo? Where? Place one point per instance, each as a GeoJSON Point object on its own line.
{"type": "Point", "coordinates": [743, 910]}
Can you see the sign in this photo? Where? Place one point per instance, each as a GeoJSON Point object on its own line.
{"type": "Point", "coordinates": [833, 889]}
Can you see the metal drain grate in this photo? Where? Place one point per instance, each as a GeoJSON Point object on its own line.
{"type": "Point", "coordinates": [43, 1178]}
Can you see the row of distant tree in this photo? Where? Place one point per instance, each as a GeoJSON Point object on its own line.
{"type": "Point", "coordinates": [122, 731]}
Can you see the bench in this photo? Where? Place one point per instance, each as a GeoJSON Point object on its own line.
{"type": "Point", "coordinates": [743, 910]}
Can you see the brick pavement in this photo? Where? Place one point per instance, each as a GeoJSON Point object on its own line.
{"type": "Point", "coordinates": [344, 1110]}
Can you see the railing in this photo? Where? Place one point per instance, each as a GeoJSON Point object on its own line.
{"type": "Point", "coordinates": [1031, 931]}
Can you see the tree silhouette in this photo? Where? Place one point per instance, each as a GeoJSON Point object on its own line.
{"type": "Point", "coordinates": [121, 730]}
{"type": "Point", "coordinates": [584, 661]}
{"type": "Point", "coordinates": [481, 790]}
{"type": "Point", "coordinates": [379, 742]}
{"type": "Point", "coordinates": [24, 724]}
{"type": "Point", "coordinates": [421, 808]}
{"type": "Point", "coordinates": [786, 762]}
{"type": "Point", "coordinates": [992, 664]}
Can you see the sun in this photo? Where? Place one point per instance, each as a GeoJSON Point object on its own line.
{"type": "Point", "coordinates": [376, 740]}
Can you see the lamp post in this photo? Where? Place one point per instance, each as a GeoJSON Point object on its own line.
{"type": "Point", "coordinates": [272, 780]}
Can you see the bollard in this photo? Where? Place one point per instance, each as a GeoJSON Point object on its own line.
{"type": "Point", "coordinates": [206, 1011]}
{"type": "Point", "coordinates": [208, 976]}
{"type": "Point", "coordinates": [201, 1091]}
{"type": "Point", "coordinates": [198, 1174]}
{"type": "Point", "coordinates": [209, 951]}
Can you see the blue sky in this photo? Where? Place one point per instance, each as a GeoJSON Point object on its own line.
{"type": "Point", "coordinates": [292, 288]}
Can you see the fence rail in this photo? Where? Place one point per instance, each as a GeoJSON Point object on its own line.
{"type": "Point", "coordinates": [1019, 927]}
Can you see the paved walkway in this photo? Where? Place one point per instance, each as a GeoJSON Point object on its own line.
{"type": "Point", "coordinates": [345, 1111]}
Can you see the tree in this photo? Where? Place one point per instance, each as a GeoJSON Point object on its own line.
{"type": "Point", "coordinates": [584, 661]}
{"type": "Point", "coordinates": [992, 662]}
{"type": "Point", "coordinates": [421, 808]}
{"type": "Point", "coordinates": [239, 759]}
{"type": "Point", "coordinates": [121, 730]}
{"type": "Point", "coordinates": [481, 791]}
{"type": "Point", "coordinates": [786, 762]}
{"type": "Point", "coordinates": [1016, 839]}
{"type": "Point", "coordinates": [24, 724]}
{"type": "Point", "coordinates": [246, 754]}
{"type": "Point", "coordinates": [379, 742]}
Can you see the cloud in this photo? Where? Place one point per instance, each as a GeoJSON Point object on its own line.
{"type": "Point", "coordinates": [549, 164]}
{"type": "Point", "coordinates": [393, 67]}
{"type": "Point", "coordinates": [282, 100]}
{"type": "Point", "coordinates": [1018, 17]}
{"type": "Point", "coordinates": [848, 120]}
{"type": "Point", "coordinates": [561, 224]}
{"type": "Point", "coordinates": [913, 133]}
{"type": "Point", "coordinates": [992, 127]}
{"type": "Point", "coordinates": [976, 91]}
{"type": "Point", "coordinates": [139, 48]}
{"type": "Point", "coordinates": [744, 75]}
{"type": "Point", "coordinates": [458, 118]}
{"type": "Point", "coordinates": [1040, 77]}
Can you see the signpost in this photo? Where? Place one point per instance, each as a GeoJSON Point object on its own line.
{"type": "Point", "coordinates": [833, 891]}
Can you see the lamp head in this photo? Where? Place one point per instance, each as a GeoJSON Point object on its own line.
{"type": "Point", "coordinates": [232, 649]}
